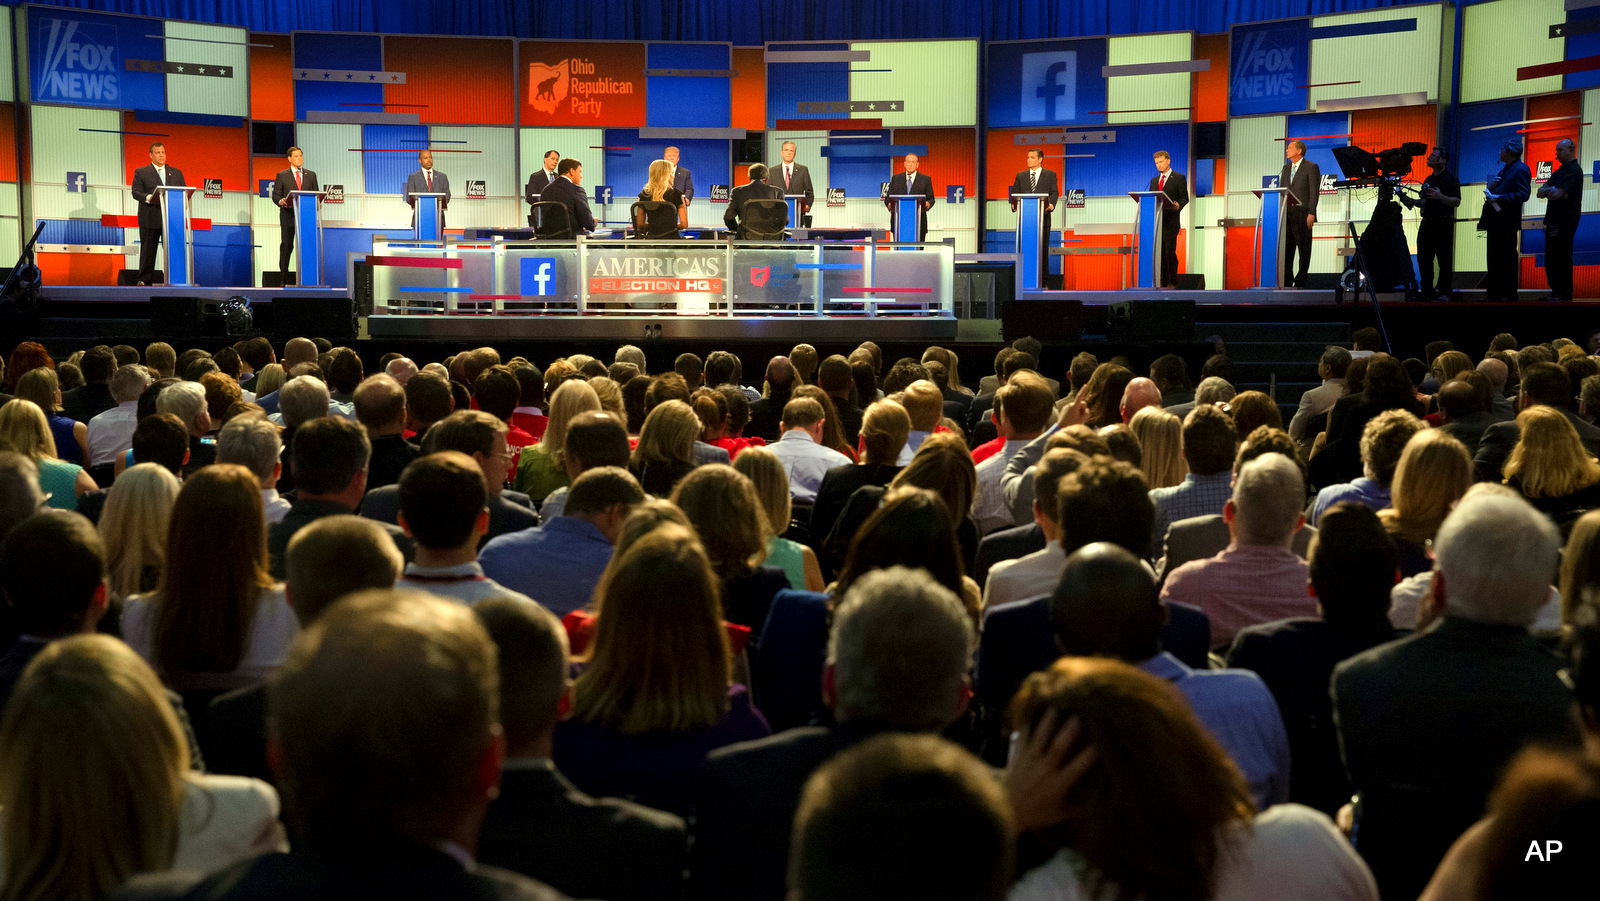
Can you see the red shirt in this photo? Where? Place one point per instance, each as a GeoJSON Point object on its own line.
{"type": "Point", "coordinates": [987, 449]}
{"type": "Point", "coordinates": [734, 445]}
{"type": "Point", "coordinates": [531, 423]}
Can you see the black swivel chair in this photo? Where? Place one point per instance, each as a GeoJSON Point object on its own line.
{"type": "Point", "coordinates": [654, 219]}
{"type": "Point", "coordinates": [764, 220]}
{"type": "Point", "coordinates": [551, 221]}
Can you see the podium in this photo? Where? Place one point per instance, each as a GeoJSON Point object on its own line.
{"type": "Point", "coordinates": [1147, 274]}
{"type": "Point", "coordinates": [1270, 234]}
{"type": "Point", "coordinates": [1032, 227]}
{"type": "Point", "coordinates": [794, 201]}
{"type": "Point", "coordinates": [427, 217]}
{"type": "Point", "coordinates": [175, 201]}
{"type": "Point", "coordinates": [308, 236]}
{"type": "Point", "coordinates": [908, 208]}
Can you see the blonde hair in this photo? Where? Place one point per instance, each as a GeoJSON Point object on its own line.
{"type": "Point", "coordinates": [668, 434]}
{"type": "Point", "coordinates": [24, 429]}
{"type": "Point", "coordinates": [1435, 470]}
{"type": "Point", "coordinates": [660, 180]}
{"type": "Point", "coordinates": [269, 379]}
{"type": "Point", "coordinates": [942, 465]}
{"type": "Point", "coordinates": [134, 525]}
{"type": "Point", "coordinates": [574, 396]}
{"type": "Point", "coordinates": [42, 387]}
{"type": "Point", "coordinates": [1160, 437]}
{"type": "Point", "coordinates": [765, 471]}
{"type": "Point", "coordinates": [610, 395]}
{"type": "Point", "coordinates": [727, 515]}
{"type": "Point", "coordinates": [93, 779]}
{"type": "Point", "coordinates": [1549, 459]}
{"type": "Point", "coordinates": [885, 428]}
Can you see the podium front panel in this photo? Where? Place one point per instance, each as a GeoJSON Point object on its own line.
{"type": "Point", "coordinates": [308, 240]}
{"type": "Point", "coordinates": [1146, 271]}
{"type": "Point", "coordinates": [430, 225]}
{"type": "Point", "coordinates": [176, 240]}
{"type": "Point", "coordinates": [1030, 222]}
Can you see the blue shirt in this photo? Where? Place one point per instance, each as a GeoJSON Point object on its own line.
{"type": "Point", "coordinates": [1194, 496]}
{"type": "Point", "coordinates": [1239, 710]}
{"type": "Point", "coordinates": [1363, 491]}
{"type": "Point", "coordinates": [557, 564]}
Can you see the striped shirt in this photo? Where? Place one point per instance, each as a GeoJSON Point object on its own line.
{"type": "Point", "coordinates": [1194, 496]}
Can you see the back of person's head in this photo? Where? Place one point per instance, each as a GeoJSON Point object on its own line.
{"type": "Point", "coordinates": [1268, 497]}
{"type": "Point", "coordinates": [1169, 372]}
{"type": "Point", "coordinates": [924, 404]}
{"type": "Point", "coordinates": [1367, 339]}
{"type": "Point", "coordinates": [1210, 440]}
{"type": "Point", "coordinates": [1160, 436]}
{"type": "Point", "coordinates": [781, 376]}
{"type": "Point", "coordinates": [384, 715]}
{"type": "Point", "coordinates": [1253, 409]}
{"type": "Point", "coordinates": [442, 496]}
{"type": "Point", "coordinates": [771, 482]}
{"type": "Point", "coordinates": [903, 373]}
{"type": "Point", "coordinates": [1449, 364]}
{"type": "Point", "coordinates": [885, 428]}
{"type": "Point", "coordinates": [727, 515]}
{"type": "Point", "coordinates": [222, 392]}
{"type": "Point", "coordinates": [1353, 562]}
{"type": "Point", "coordinates": [1549, 459]}
{"type": "Point", "coordinates": [533, 659]}
{"type": "Point", "coordinates": [902, 817]}
{"type": "Point", "coordinates": [1080, 438]}
{"type": "Point", "coordinates": [1103, 393]}
{"type": "Point", "coordinates": [944, 466]}
{"type": "Point", "coordinates": [1148, 814]}
{"type": "Point", "coordinates": [1124, 444]}
{"type": "Point", "coordinates": [53, 566]}
{"type": "Point", "coordinates": [1218, 366]}
{"type": "Point", "coordinates": [1416, 371]}
{"type": "Point", "coordinates": [300, 400]}
{"type": "Point", "coordinates": [719, 370]}
{"type": "Point", "coordinates": [1336, 360]}
{"type": "Point", "coordinates": [912, 528]}
{"type": "Point", "coordinates": [600, 489]}
{"type": "Point", "coordinates": [668, 435]}
{"type": "Point", "coordinates": [269, 379]}
{"type": "Point", "coordinates": [1547, 384]}
{"type": "Point", "coordinates": [428, 398]}
{"type": "Point", "coordinates": [161, 357]}
{"type": "Point", "coordinates": [1213, 390]}
{"type": "Point", "coordinates": [1105, 500]}
{"type": "Point", "coordinates": [1545, 793]}
{"type": "Point", "coordinates": [329, 452]}
{"type": "Point", "coordinates": [380, 402]}
{"type": "Point", "coordinates": [1580, 572]}
{"type": "Point", "coordinates": [162, 439]}
{"type": "Point", "coordinates": [468, 431]}
{"type": "Point", "coordinates": [1535, 353]}
{"type": "Point", "coordinates": [128, 382]}
{"type": "Point", "coordinates": [228, 362]}
{"type": "Point", "coordinates": [629, 353]}
{"type": "Point", "coordinates": [344, 370]}
{"type": "Point", "coordinates": [42, 387]}
{"type": "Point", "coordinates": [804, 358]}
{"type": "Point", "coordinates": [185, 400]}
{"type": "Point", "coordinates": [833, 376]}
{"type": "Point", "coordinates": [1083, 366]}
{"type": "Point", "coordinates": [900, 648]}
{"type": "Point", "coordinates": [20, 496]}
{"type": "Point", "coordinates": [1383, 439]}
{"type": "Point", "coordinates": [1055, 465]}
{"type": "Point", "coordinates": [1458, 398]}
{"type": "Point", "coordinates": [801, 413]}
{"type": "Point", "coordinates": [1028, 402]}
{"type": "Point", "coordinates": [497, 392]}
{"type": "Point", "coordinates": [1435, 470]}
{"type": "Point", "coordinates": [251, 442]}
{"type": "Point", "coordinates": [24, 429]}
{"type": "Point", "coordinates": [98, 364]}
{"type": "Point", "coordinates": [1495, 556]}
{"type": "Point", "coordinates": [711, 406]}
{"type": "Point", "coordinates": [335, 556]}
{"type": "Point", "coordinates": [1106, 605]}
{"type": "Point", "coordinates": [134, 524]}
{"type": "Point", "coordinates": [93, 780]}
{"type": "Point", "coordinates": [597, 439]}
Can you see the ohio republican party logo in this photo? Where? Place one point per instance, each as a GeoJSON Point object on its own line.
{"type": "Point", "coordinates": [1049, 86]}
{"type": "Point", "coordinates": [547, 85]}
{"type": "Point", "coordinates": [759, 275]}
{"type": "Point", "coordinates": [80, 62]}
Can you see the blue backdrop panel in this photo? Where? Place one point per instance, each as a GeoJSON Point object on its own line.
{"type": "Point", "coordinates": [790, 84]}
{"type": "Point", "coordinates": [709, 162]}
{"type": "Point", "coordinates": [1582, 45]}
{"type": "Point", "coordinates": [863, 176]}
{"type": "Point", "coordinates": [1270, 66]}
{"type": "Point", "coordinates": [79, 231]}
{"type": "Point", "coordinates": [1047, 83]}
{"type": "Point", "coordinates": [1205, 175]}
{"type": "Point", "coordinates": [358, 52]}
{"type": "Point", "coordinates": [222, 255]}
{"type": "Point", "coordinates": [1478, 152]}
{"type": "Point", "coordinates": [692, 102]}
{"type": "Point", "coordinates": [1585, 245]}
{"type": "Point", "coordinates": [1125, 165]}
{"type": "Point", "coordinates": [1320, 150]}
{"type": "Point", "coordinates": [385, 173]}
{"type": "Point", "coordinates": [81, 59]}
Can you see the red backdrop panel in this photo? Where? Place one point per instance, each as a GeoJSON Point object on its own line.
{"type": "Point", "coordinates": [951, 159]}
{"type": "Point", "coordinates": [1380, 129]}
{"type": "Point", "coordinates": [1238, 251]}
{"type": "Point", "coordinates": [198, 151]}
{"type": "Point", "coordinates": [452, 80]}
{"type": "Point", "coordinates": [1211, 87]}
{"type": "Point", "coordinates": [271, 81]}
{"type": "Point", "coordinates": [1004, 158]}
{"type": "Point", "coordinates": [749, 89]}
{"type": "Point", "coordinates": [1542, 137]}
{"type": "Point", "coordinates": [80, 268]}
{"type": "Point", "coordinates": [8, 142]}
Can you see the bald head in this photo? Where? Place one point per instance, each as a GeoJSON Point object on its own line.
{"type": "Point", "coordinates": [1140, 393]}
{"type": "Point", "coordinates": [401, 370]}
{"type": "Point", "coordinates": [1267, 501]}
{"type": "Point", "coordinates": [1458, 399]}
{"type": "Point", "coordinates": [1106, 605]}
{"type": "Point", "coordinates": [1497, 373]}
{"type": "Point", "coordinates": [297, 351]}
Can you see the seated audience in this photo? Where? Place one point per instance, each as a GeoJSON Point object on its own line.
{"type": "Point", "coordinates": [1542, 385]}
{"type": "Point", "coordinates": [925, 405]}
{"type": "Point", "coordinates": [1160, 436]}
{"type": "Point", "coordinates": [1023, 409]}
{"type": "Point", "coordinates": [801, 451]}
{"type": "Point", "coordinates": [1435, 470]}
{"type": "Point", "coordinates": [254, 443]}
{"type": "Point", "coordinates": [483, 438]}
{"type": "Point", "coordinates": [52, 569]}
{"type": "Point", "coordinates": [542, 468]}
{"type": "Point", "coordinates": [187, 401]}
{"type": "Point", "coordinates": [944, 467]}
{"type": "Point", "coordinates": [1550, 467]}
{"type": "Point", "coordinates": [1382, 442]}
{"type": "Point", "coordinates": [666, 451]}
{"type": "Point", "coordinates": [428, 400]}
{"type": "Point", "coordinates": [23, 430]}
{"type": "Point", "coordinates": [1464, 413]}
{"type": "Point", "coordinates": [1102, 395]}
{"type": "Point", "coordinates": [134, 526]}
{"type": "Point", "coordinates": [93, 395]}
{"type": "Point", "coordinates": [833, 436]}
{"type": "Point", "coordinates": [497, 392]}
{"type": "Point", "coordinates": [1139, 394]}
{"type": "Point", "coordinates": [1311, 415]}
{"type": "Point", "coordinates": [731, 523]}
{"type": "Point", "coordinates": [1036, 574]}
{"type": "Point", "coordinates": [1253, 409]}
{"type": "Point", "coordinates": [110, 433]}
{"type": "Point", "coordinates": [1211, 391]}
{"type": "Point", "coordinates": [884, 427]}
{"type": "Point", "coordinates": [594, 439]}
{"type": "Point", "coordinates": [766, 413]}
{"type": "Point", "coordinates": [1209, 443]}
{"type": "Point", "coordinates": [656, 694]}
{"type": "Point", "coordinates": [559, 563]}
{"type": "Point", "coordinates": [834, 377]}
{"type": "Point", "coordinates": [798, 562]}
{"type": "Point", "coordinates": [912, 527]}
{"type": "Point", "coordinates": [1386, 387]}
{"type": "Point", "coordinates": [330, 465]}
{"type": "Point", "coordinates": [380, 406]}
{"type": "Point", "coordinates": [443, 508]}
{"type": "Point", "coordinates": [160, 438]}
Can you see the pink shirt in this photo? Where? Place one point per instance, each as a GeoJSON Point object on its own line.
{"type": "Point", "coordinates": [1242, 586]}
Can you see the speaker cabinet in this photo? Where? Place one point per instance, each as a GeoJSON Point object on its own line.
{"type": "Point", "coordinates": [333, 318]}
{"type": "Point", "coordinates": [1045, 319]}
{"type": "Point", "coordinates": [1151, 320]}
{"type": "Point", "coordinates": [274, 279]}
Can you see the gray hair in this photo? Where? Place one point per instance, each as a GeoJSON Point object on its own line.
{"type": "Point", "coordinates": [302, 399]}
{"type": "Point", "coordinates": [1498, 557]}
{"type": "Point", "coordinates": [185, 400]}
{"type": "Point", "coordinates": [1212, 389]}
{"type": "Point", "coordinates": [1267, 500]}
{"type": "Point", "coordinates": [1589, 393]}
{"type": "Point", "coordinates": [900, 646]}
{"type": "Point", "coordinates": [252, 442]}
{"type": "Point", "coordinates": [628, 353]}
{"type": "Point", "coordinates": [128, 382]}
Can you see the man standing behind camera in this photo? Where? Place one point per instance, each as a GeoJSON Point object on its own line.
{"type": "Point", "coordinates": [1436, 235]}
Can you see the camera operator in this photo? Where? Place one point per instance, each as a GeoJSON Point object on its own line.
{"type": "Point", "coordinates": [1436, 234]}
{"type": "Point", "coordinates": [1564, 193]}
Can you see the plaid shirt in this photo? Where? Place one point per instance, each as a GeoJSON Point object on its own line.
{"type": "Point", "coordinates": [1242, 586]}
{"type": "Point", "coordinates": [1194, 496]}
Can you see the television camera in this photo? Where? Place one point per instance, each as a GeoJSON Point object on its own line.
{"type": "Point", "coordinates": [1383, 243]}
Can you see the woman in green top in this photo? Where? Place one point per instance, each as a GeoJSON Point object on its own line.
{"type": "Point", "coordinates": [796, 560]}
{"type": "Point", "coordinates": [543, 467]}
{"type": "Point", "coordinates": [24, 429]}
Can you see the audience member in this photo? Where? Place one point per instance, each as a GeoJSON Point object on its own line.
{"type": "Point", "coordinates": [1209, 441]}
{"type": "Point", "coordinates": [187, 401]}
{"type": "Point", "coordinates": [71, 436]}
{"type": "Point", "coordinates": [111, 432]}
{"type": "Point", "coordinates": [254, 443]}
{"type": "Point", "coordinates": [731, 522]}
{"type": "Point", "coordinates": [798, 562]}
{"type": "Point", "coordinates": [1383, 440]}
{"type": "Point", "coordinates": [24, 430]}
{"type": "Point", "coordinates": [834, 377]}
{"type": "Point", "coordinates": [134, 526]}
{"type": "Point", "coordinates": [911, 527]}
{"type": "Point", "coordinates": [925, 405]}
{"type": "Point", "coordinates": [1160, 436]}
{"type": "Point", "coordinates": [1550, 467]}
{"type": "Point", "coordinates": [380, 406]}
{"type": "Point", "coordinates": [1253, 409]}
{"type": "Point", "coordinates": [593, 439]}
{"type": "Point", "coordinates": [833, 437]}
{"type": "Point", "coordinates": [1386, 387]}
{"type": "Point", "coordinates": [766, 414]}
{"type": "Point", "coordinates": [330, 463]}
{"type": "Point", "coordinates": [1435, 470]}
{"type": "Point", "coordinates": [542, 468]}
{"type": "Point", "coordinates": [1310, 416]}
{"type": "Point", "coordinates": [1102, 396]}
{"type": "Point", "coordinates": [1022, 410]}
{"type": "Point", "coordinates": [162, 439]}
{"type": "Point", "coordinates": [443, 508]}
{"type": "Point", "coordinates": [1543, 384]}
{"type": "Point", "coordinates": [1036, 574]}
{"type": "Point", "coordinates": [1171, 376]}
{"type": "Point", "coordinates": [800, 450]}
{"type": "Point", "coordinates": [428, 400]}
{"type": "Point", "coordinates": [483, 438]}
{"type": "Point", "coordinates": [94, 396]}
{"type": "Point", "coordinates": [884, 429]}
{"type": "Point", "coordinates": [1140, 393]}
{"type": "Point", "coordinates": [942, 466]}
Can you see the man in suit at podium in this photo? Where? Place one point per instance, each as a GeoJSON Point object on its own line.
{"type": "Point", "coordinates": [294, 178]}
{"type": "Point", "coordinates": [147, 181]}
{"type": "Point", "coordinates": [567, 191]}
{"type": "Point", "coordinates": [1176, 187]}
{"type": "Point", "coordinates": [543, 177]}
{"type": "Point", "coordinates": [1036, 179]}
{"type": "Point", "coordinates": [792, 178]}
{"type": "Point", "coordinates": [910, 182]}
{"type": "Point", "coordinates": [427, 181]}
{"type": "Point", "coordinates": [757, 189]}
{"type": "Point", "coordinates": [681, 179]}
{"type": "Point", "coordinates": [1303, 179]}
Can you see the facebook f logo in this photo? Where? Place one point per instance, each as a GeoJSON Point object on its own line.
{"type": "Point", "coordinates": [1049, 87]}
{"type": "Point", "coordinates": [538, 276]}
{"type": "Point", "coordinates": [77, 183]}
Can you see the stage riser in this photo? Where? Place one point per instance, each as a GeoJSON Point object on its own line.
{"type": "Point", "coordinates": [623, 329]}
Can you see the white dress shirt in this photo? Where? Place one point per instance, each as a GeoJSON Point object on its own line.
{"type": "Point", "coordinates": [805, 461]}
{"type": "Point", "coordinates": [111, 432]}
{"type": "Point", "coordinates": [988, 503]}
{"type": "Point", "coordinates": [1025, 577]}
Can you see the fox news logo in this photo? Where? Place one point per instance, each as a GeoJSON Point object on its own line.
{"type": "Point", "coordinates": [1076, 198]}
{"type": "Point", "coordinates": [80, 61]}
{"type": "Point", "coordinates": [1264, 67]}
{"type": "Point", "coordinates": [1049, 87]}
{"type": "Point", "coordinates": [721, 194]}
{"type": "Point", "coordinates": [335, 194]}
{"type": "Point", "coordinates": [477, 188]}
{"type": "Point", "coordinates": [213, 187]}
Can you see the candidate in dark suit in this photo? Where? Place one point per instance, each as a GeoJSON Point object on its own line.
{"type": "Point", "coordinates": [1303, 178]}
{"type": "Point", "coordinates": [1176, 187]}
{"type": "Point", "coordinates": [567, 190]}
{"type": "Point", "coordinates": [1501, 221]}
{"type": "Point", "coordinates": [1036, 179]}
{"type": "Point", "coordinates": [294, 178]}
{"type": "Point", "coordinates": [910, 181]}
{"type": "Point", "coordinates": [542, 177]}
{"type": "Point", "coordinates": [757, 189]}
{"type": "Point", "coordinates": [792, 178]}
{"type": "Point", "coordinates": [681, 178]}
{"type": "Point", "coordinates": [146, 182]}
{"type": "Point", "coordinates": [427, 180]}
{"type": "Point", "coordinates": [1564, 193]}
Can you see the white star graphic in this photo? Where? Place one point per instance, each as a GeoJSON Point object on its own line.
{"type": "Point", "coordinates": [202, 70]}
{"type": "Point", "coordinates": [872, 106]}
{"type": "Point", "coordinates": [179, 68]}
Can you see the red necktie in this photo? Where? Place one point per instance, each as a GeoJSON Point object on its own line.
{"type": "Point", "coordinates": [1163, 185]}
{"type": "Point", "coordinates": [786, 176]}
{"type": "Point", "coordinates": [428, 174]}
{"type": "Point", "coordinates": [297, 185]}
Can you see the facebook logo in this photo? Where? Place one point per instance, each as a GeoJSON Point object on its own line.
{"type": "Point", "coordinates": [539, 276]}
{"type": "Point", "coordinates": [77, 183]}
{"type": "Point", "coordinates": [1049, 86]}
{"type": "Point", "coordinates": [602, 193]}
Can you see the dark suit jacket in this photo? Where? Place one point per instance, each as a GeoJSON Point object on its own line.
{"type": "Point", "coordinates": [1306, 186]}
{"type": "Point", "coordinates": [1006, 544]}
{"type": "Point", "coordinates": [233, 734]}
{"type": "Point", "coordinates": [537, 182]}
{"type": "Point", "coordinates": [1498, 440]}
{"type": "Point", "coordinates": [391, 454]}
{"type": "Point", "coordinates": [1469, 429]}
{"type": "Point", "coordinates": [799, 184]}
{"type": "Point", "coordinates": [766, 416]}
{"type": "Point", "coordinates": [978, 412]}
{"type": "Point", "coordinates": [850, 417]}
{"type": "Point", "coordinates": [417, 183]}
{"type": "Point", "coordinates": [509, 511]}
{"type": "Point", "coordinates": [412, 873]}
{"type": "Point", "coordinates": [544, 828]}
{"type": "Point", "coordinates": [145, 194]}
{"type": "Point", "coordinates": [1177, 191]}
{"type": "Point", "coordinates": [684, 182]}
{"type": "Point", "coordinates": [1425, 725]}
{"type": "Point", "coordinates": [733, 216]}
{"type": "Point", "coordinates": [1512, 184]}
{"type": "Point", "coordinates": [574, 198]}
{"type": "Point", "coordinates": [834, 492]}
{"type": "Point", "coordinates": [305, 512]}
{"type": "Point", "coordinates": [1048, 184]}
{"type": "Point", "coordinates": [86, 402]}
{"type": "Point", "coordinates": [284, 183]}
{"type": "Point", "coordinates": [920, 184]}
